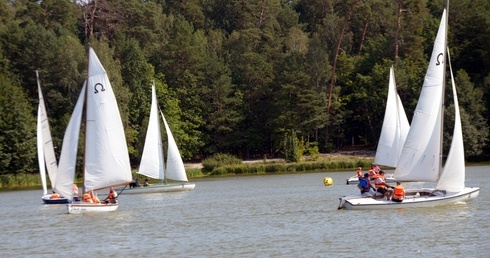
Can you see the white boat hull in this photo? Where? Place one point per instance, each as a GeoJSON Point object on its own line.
{"type": "Point", "coordinates": [414, 198]}
{"type": "Point", "coordinates": [353, 180]}
{"type": "Point", "coordinates": [160, 188]}
{"type": "Point", "coordinates": [83, 207]}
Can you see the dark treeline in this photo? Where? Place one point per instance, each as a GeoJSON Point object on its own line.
{"type": "Point", "coordinates": [241, 77]}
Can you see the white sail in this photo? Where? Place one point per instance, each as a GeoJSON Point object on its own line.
{"type": "Point", "coordinates": [394, 130]}
{"type": "Point", "coordinates": [40, 152]}
{"type": "Point", "coordinates": [453, 176]}
{"type": "Point", "coordinates": [152, 164]}
{"type": "Point", "coordinates": [420, 158]}
{"type": "Point", "coordinates": [152, 160]}
{"type": "Point", "coordinates": [68, 157]}
{"type": "Point", "coordinates": [48, 158]}
{"type": "Point", "coordinates": [106, 152]}
{"type": "Point", "coordinates": [175, 166]}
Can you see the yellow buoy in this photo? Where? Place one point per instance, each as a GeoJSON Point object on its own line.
{"type": "Point", "coordinates": [327, 181]}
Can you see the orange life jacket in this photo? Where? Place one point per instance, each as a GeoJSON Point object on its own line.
{"type": "Point", "coordinates": [399, 192]}
{"type": "Point", "coordinates": [55, 196]}
{"type": "Point", "coordinates": [372, 173]}
{"type": "Point", "coordinates": [379, 183]}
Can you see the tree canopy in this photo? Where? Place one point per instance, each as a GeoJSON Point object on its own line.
{"type": "Point", "coordinates": [238, 76]}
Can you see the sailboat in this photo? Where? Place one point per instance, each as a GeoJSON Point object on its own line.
{"type": "Point", "coordinates": [393, 132]}
{"type": "Point", "coordinates": [106, 158]}
{"type": "Point", "coordinates": [45, 150]}
{"type": "Point", "coordinates": [152, 160]}
{"type": "Point", "coordinates": [420, 159]}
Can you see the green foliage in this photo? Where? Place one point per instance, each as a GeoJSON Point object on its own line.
{"type": "Point", "coordinates": [291, 147]}
{"type": "Point", "coordinates": [17, 130]}
{"type": "Point", "coordinates": [235, 76]}
{"type": "Point", "coordinates": [219, 160]}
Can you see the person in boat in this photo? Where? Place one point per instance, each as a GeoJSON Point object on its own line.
{"type": "Point", "coordinates": [95, 199]}
{"type": "Point", "coordinates": [373, 173]}
{"type": "Point", "coordinates": [365, 186]}
{"type": "Point", "coordinates": [76, 197]}
{"type": "Point", "coordinates": [146, 183]}
{"type": "Point", "coordinates": [87, 197]}
{"type": "Point", "coordinates": [399, 192]}
{"type": "Point", "coordinates": [382, 187]}
{"type": "Point", "coordinates": [135, 183]}
{"type": "Point", "coordinates": [112, 197]}
{"type": "Point", "coordinates": [55, 195]}
{"type": "Point", "coordinates": [359, 173]}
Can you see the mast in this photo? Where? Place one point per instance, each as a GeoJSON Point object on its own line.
{"type": "Point", "coordinates": [84, 117]}
{"type": "Point", "coordinates": [443, 86]}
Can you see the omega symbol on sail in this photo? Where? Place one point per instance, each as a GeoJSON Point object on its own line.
{"type": "Point", "coordinates": [101, 88]}
{"type": "Point", "coordinates": [439, 62]}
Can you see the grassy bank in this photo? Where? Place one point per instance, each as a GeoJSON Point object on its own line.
{"type": "Point", "coordinates": [262, 167]}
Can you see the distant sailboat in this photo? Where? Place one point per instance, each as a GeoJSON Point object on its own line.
{"type": "Point", "coordinates": [45, 150]}
{"type": "Point", "coordinates": [152, 160]}
{"type": "Point", "coordinates": [420, 159]}
{"type": "Point", "coordinates": [393, 131]}
{"type": "Point", "coordinates": [106, 158]}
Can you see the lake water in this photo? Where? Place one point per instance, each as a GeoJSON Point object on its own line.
{"type": "Point", "coordinates": [291, 215]}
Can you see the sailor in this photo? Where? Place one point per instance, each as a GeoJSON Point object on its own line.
{"type": "Point", "coordinates": [359, 173]}
{"type": "Point", "coordinates": [365, 186]}
{"type": "Point", "coordinates": [87, 197]}
{"type": "Point", "coordinates": [399, 192]}
{"type": "Point", "coordinates": [55, 195]}
{"type": "Point", "coordinates": [382, 187]}
{"type": "Point", "coordinates": [112, 197]}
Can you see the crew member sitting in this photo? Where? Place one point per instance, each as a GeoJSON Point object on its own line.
{"type": "Point", "coordinates": [87, 197]}
{"type": "Point", "coordinates": [359, 173]}
{"type": "Point", "coordinates": [373, 173]}
{"type": "Point", "coordinates": [112, 197]}
{"type": "Point", "coordinates": [365, 186]}
{"type": "Point", "coordinates": [399, 192]}
{"type": "Point", "coordinates": [382, 187]}
{"type": "Point", "coordinates": [55, 195]}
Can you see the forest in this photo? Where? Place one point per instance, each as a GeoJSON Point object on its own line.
{"type": "Point", "coordinates": [239, 77]}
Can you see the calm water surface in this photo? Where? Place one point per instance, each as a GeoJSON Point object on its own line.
{"type": "Point", "coordinates": [248, 216]}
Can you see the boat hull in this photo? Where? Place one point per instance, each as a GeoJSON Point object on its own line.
{"type": "Point", "coordinates": [48, 200]}
{"type": "Point", "coordinates": [83, 207]}
{"type": "Point", "coordinates": [160, 188]}
{"type": "Point", "coordinates": [414, 198]}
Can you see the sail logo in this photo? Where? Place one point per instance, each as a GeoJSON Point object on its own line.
{"type": "Point", "coordinates": [438, 61]}
{"type": "Point", "coordinates": [101, 88]}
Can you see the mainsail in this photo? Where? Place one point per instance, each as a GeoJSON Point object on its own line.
{"type": "Point", "coordinates": [421, 155]}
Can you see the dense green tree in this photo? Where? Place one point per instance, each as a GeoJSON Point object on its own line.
{"type": "Point", "coordinates": [17, 129]}
{"type": "Point", "coordinates": [137, 75]}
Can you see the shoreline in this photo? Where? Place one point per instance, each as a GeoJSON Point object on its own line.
{"type": "Point", "coordinates": [353, 153]}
